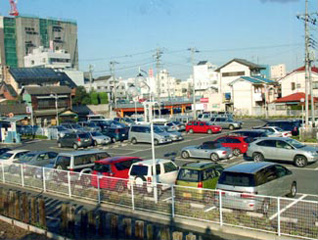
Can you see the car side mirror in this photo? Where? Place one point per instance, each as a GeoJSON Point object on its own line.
{"type": "Point", "coordinates": [288, 147]}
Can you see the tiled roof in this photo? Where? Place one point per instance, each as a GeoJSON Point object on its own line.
{"type": "Point", "coordinates": [26, 76]}
{"type": "Point", "coordinates": [102, 78]}
{"type": "Point", "coordinates": [47, 90]}
{"type": "Point", "coordinates": [300, 69]}
{"type": "Point", "coordinates": [16, 109]}
{"type": "Point", "coordinates": [295, 97]}
{"type": "Point", "coordinates": [244, 62]}
{"type": "Point", "coordinates": [254, 79]}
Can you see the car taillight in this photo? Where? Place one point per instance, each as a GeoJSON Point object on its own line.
{"type": "Point", "coordinates": [295, 128]}
{"type": "Point", "coordinates": [244, 146]}
{"type": "Point", "coordinates": [78, 139]}
{"type": "Point", "coordinates": [224, 152]}
{"type": "Point", "coordinates": [200, 185]}
{"type": "Point", "coordinates": [247, 195]}
{"type": "Point", "coordinates": [116, 130]}
{"type": "Point", "coordinates": [149, 179]}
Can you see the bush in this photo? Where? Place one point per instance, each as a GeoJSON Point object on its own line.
{"type": "Point", "coordinates": [103, 98]}
{"type": "Point", "coordinates": [94, 98]}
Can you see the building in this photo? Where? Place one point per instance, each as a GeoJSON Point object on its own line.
{"type": "Point", "coordinates": [251, 95]}
{"type": "Point", "coordinates": [20, 35]}
{"type": "Point", "coordinates": [231, 71]}
{"type": "Point", "coordinates": [48, 58]}
{"type": "Point", "coordinates": [167, 85]}
{"type": "Point", "coordinates": [278, 71]}
{"type": "Point", "coordinates": [205, 77]}
{"type": "Point", "coordinates": [294, 82]}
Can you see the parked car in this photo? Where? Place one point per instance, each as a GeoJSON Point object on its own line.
{"type": "Point", "coordinates": [204, 116]}
{"type": "Point", "coordinates": [142, 133]}
{"type": "Point", "coordinates": [211, 150]}
{"type": "Point", "coordinates": [10, 156]}
{"type": "Point", "coordinates": [227, 123]}
{"type": "Point", "coordinates": [60, 130]}
{"type": "Point", "coordinates": [99, 138]}
{"type": "Point", "coordinates": [125, 120]}
{"type": "Point", "coordinates": [197, 175]}
{"type": "Point", "coordinates": [282, 149]}
{"type": "Point", "coordinates": [75, 140]}
{"type": "Point", "coordinates": [141, 175]}
{"type": "Point", "coordinates": [4, 150]}
{"type": "Point", "coordinates": [236, 143]}
{"type": "Point", "coordinates": [241, 185]}
{"type": "Point", "coordinates": [173, 134]}
{"type": "Point", "coordinates": [274, 131]}
{"type": "Point", "coordinates": [251, 135]}
{"type": "Point", "coordinates": [115, 130]}
{"type": "Point", "coordinates": [116, 167]}
{"type": "Point", "coordinates": [73, 127]}
{"type": "Point", "coordinates": [179, 126]}
{"type": "Point", "coordinates": [92, 117]}
{"type": "Point", "coordinates": [89, 126]}
{"type": "Point", "coordinates": [287, 125]}
{"type": "Point", "coordinates": [202, 127]}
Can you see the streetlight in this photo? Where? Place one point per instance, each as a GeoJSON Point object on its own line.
{"type": "Point", "coordinates": [54, 95]}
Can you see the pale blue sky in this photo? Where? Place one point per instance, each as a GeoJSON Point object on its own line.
{"type": "Point", "coordinates": [129, 31]}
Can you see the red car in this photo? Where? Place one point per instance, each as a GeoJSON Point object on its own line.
{"type": "Point", "coordinates": [202, 127]}
{"type": "Point", "coordinates": [115, 167]}
{"type": "Point", "coordinates": [236, 143]}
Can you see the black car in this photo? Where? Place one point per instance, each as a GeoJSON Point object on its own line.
{"type": "Point", "coordinates": [251, 135]}
{"type": "Point", "coordinates": [287, 125]}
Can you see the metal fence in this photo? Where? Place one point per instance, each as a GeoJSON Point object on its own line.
{"type": "Point", "coordinates": [279, 215]}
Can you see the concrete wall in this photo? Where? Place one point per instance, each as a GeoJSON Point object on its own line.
{"type": "Point", "coordinates": [242, 96]}
{"type": "Point", "coordinates": [102, 109]}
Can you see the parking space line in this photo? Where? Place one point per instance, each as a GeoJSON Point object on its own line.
{"type": "Point", "coordinates": [209, 209]}
{"type": "Point", "coordinates": [167, 199]}
{"type": "Point", "coordinates": [303, 169]}
{"type": "Point", "coordinates": [288, 206]}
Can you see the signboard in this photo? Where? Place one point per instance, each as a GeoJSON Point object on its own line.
{"type": "Point", "coordinates": [29, 109]}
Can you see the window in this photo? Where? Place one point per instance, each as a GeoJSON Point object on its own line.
{"type": "Point", "coordinates": [232, 74]}
{"type": "Point", "coordinates": [209, 173]}
{"type": "Point", "coordinates": [281, 171]}
{"type": "Point", "coordinates": [293, 86]}
{"type": "Point", "coordinates": [169, 167]}
{"type": "Point", "coordinates": [282, 144]}
{"type": "Point", "coordinates": [84, 159]}
{"type": "Point", "coordinates": [125, 164]}
{"type": "Point", "coordinates": [139, 170]}
{"type": "Point", "coordinates": [102, 155]}
{"type": "Point", "coordinates": [315, 85]}
{"type": "Point", "coordinates": [64, 161]}
{"type": "Point", "coordinates": [298, 85]}
{"type": "Point", "coordinates": [103, 168]}
{"type": "Point", "coordinates": [188, 175]}
{"type": "Point", "coordinates": [157, 169]}
{"type": "Point", "coordinates": [267, 143]}
{"type": "Point", "coordinates": [237, 179]}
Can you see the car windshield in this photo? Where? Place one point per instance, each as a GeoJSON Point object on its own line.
{"type": "Point", "coordinates": [237, 179]}
{"type": "Point", "coordinates": [27, 157]}
{"type": "Point", "coordinates": [6, 155]}
{"type": "Point", "coordinates": [188, 175]}
{"type": "Point", "coordinates": [76, 126]}
{"type": "Point", "coordinates": [295, 143]}
{"type": "Point", "coordinates": [157, 129]}
{"type": "Point", "coordinates": [61, 128]}
{"type": "Point", "coordinates": [96, 134]}
{"type": "Point", "coordinates": [279, 129]}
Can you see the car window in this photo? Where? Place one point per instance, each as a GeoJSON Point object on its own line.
{"type": "Point", "coordinates": [221, 140]}
{"type": "Point", "coordinates": [103, 168]}
{"type": "Point", "coordinates": [282, 144]}
{"type": "Point", "coordinates": [281, 171]}
{"type": "Point", "coordinates": [234, 140]}
{"type": "Point", "coordinates": [188, 175]}
{"type": "Point", "coordinates": [43, 156]}
{"type": "Point", "coordinates": [158, 170]}
{"type": "Point", "coordinates": [202, 124]}
{"type": "Point", "coordinates": [83, 135]}
{"type": "Point", "coordinates": [124, 165]}
{"type": "Point", "coordinates": [208, 174]}
{"type": "Point", "coordinates": [237, 179]}
{"type": "Point", "coordinates": [189, 124]}
{"type": "Point", "coordinates": [63, 160]}
{"type": "Point", "coordinates": [195, 123]}
{"type": "Point", "coordinates": [52, 154]}
{"type": "Point", "coordinates": [27, 157]}
{"type": "Point", "coordinates": [84, 159]}
{"type": "Point", "coordinates": [169, 167]}
{"type": "Point", "coordinates": [19, 154]}
{"type": "Point", "coordinates": [139, 170]}
{"type": "Point", "coordinates": [102, 155]}
{"type": "Point", "coordinates": [267, 143]}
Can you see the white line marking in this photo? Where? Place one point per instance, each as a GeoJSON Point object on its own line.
{"type": "Point", "coordinates": [288, 206]}
{"type": "Point", "coordinates": [209, 209]}
{"type": "Point", "coordinates": [167, 199]}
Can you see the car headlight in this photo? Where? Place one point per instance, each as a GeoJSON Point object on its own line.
{"type": "Point", "coordinates": [314, 153]}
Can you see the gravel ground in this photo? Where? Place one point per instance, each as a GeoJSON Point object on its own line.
{"type": "Point", "coordinates": [10, 232]}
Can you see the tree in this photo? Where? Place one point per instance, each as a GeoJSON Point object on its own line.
{"type": "Point", "coordinates": [103, 98]}
{"type": "Point", "coordinates": [94, 98]}
{"type": "Point", "coordinates": [81, 96]}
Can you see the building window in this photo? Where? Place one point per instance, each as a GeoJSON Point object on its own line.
{"type": "Point", "coordinates": [32, 62]}
{"type": "Point", "coordinates": [315, 85]}
{"type": "Point", "coordinates": [232, 74]}
{"type": "Point", "coordinates": [298, 85]}
{"type": "Point", "coordinates": [293, 86]}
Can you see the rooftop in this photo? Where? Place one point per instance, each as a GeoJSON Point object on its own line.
{"type": "Point", "coordinates": [244, 62]}
{"type": "Point", "coordinates": [295, 97]}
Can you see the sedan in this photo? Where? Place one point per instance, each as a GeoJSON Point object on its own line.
{"type": "Point", "coordinates": [214, 152]}
{"type": "Point", "coordinates": [282, 149]}
{"type": "Point", "coordinates": [37, 158]}
{"type": "Point", "coordinates": [99, 138]}
{"type": "Point", "coordinates": [10, 156]}
{"type": "Point", "coordinates": [277, 132]}
{"type": "Point", "coordinates": [174, 135]}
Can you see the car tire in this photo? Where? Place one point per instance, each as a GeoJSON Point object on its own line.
{"type": "Point", "coordinates": [231, 127]}
{"type": "Point", "coordinates": [214, 157]}
{"type": "Point", "coordinates": [185, 155]}
{"type": "Point", "coordinates": [113, 140]}
{"type": "Point", "coordinates": [236, 152]}
{"type": "Point", "coordinates": [59, 145]}
{"type": "Point", "coordinates": [75, 146]}
{"type": "Point", "coordinates": [258, 157]}
{"type": "Point", "coordinates": [190, 131]}
{"type": "Point", "coordinates": [133, 140]}
{"type": "Point", "coordinates": [210, 131]}
{"type": "Point", "coordinates": [156, 142]}
{"type": "Point", "coordinates": [293, 190]}
{"type": "Point", "coordinates": [300, 161]}
{"type": "Point", "coordinates": [95, 143]}
{"type": "Point", "coordinates": [140, 187]}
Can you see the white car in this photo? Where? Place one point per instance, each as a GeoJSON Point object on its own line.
{"type": "Point", "coordinates": [141, 175]}
{"type": "Point", "coordinates": [99, 139]}
{"type": "Point", "coordinates": [13, 155]}
{"type": "Point", "coordinates": [277, 132]}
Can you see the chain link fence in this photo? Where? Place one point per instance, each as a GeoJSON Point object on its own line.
{"type": "Point", "coordinates": [297, 217]}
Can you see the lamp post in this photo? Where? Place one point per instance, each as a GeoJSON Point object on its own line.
{"type": "Point", "coordinates": [302, 100]}
{"type": "Point", "coordinates": [54, 95]}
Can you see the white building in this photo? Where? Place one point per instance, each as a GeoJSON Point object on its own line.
{"type": "Point", "coordinates": [205, 77]}
{"type": "Point", "coordinates": [278, 71]}
{"type": "Point", "coordinates": [165, 84]}
{"type": "Point", "coordinates": [44, 57]}
{"type": "Point", "coordinates": [294, 82]}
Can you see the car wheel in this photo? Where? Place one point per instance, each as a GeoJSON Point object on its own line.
{"type": "Point", "coordinates": [120, 187]}
{"type": "Point", "coordinates": [209, 131]}
{"type": "Point", "coordinates": [300, 161]}
{"type": "Point", "coordinates": [185, 154]}
{"type": "Point", "coordinates": [293, 190]}
{"type": "Point", "coordinates": [214, 157]}
{"type": "Point", "coordinates": [75, 146]}
{"type": "Point", "coordinates": [265, 206]}
{"type": "Point", "coordinates": [190, 131]}
{"type": "Point", "coordinates": [59, 145]}
{"type": "Point", "coordinates": [95, 143]}
{"type": "Point", "coordinates": [258, 157]}
{"type": "Point", "coordinates": [156, 142]}
{"type": "Point", "coordinates": [140, 184]}
{"type": "Point", "coordinates": [231, 127]}
{"type": "Point", "coordinates": [113, 140]}
{"type": "Point", "coordinates": [236, 152]}
{"type": "Point", "coordinates": [133, 140]}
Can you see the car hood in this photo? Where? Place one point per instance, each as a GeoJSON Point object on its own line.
{"type": "Point", "coordinates": [175, 133]}
{"type": "Point", "coordinates": [308, 148]}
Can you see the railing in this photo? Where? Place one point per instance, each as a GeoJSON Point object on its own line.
{"type": "Point", "coordinates": [279, 215]}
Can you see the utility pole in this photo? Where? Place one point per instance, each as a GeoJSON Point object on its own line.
{"type": "Point", "coordinates": [90, 69]}
{"type": "Point", "coordinates": [158, 56]}
{"type": "Point", "coordinates": [112, 71]}
{"type": "Point", "coordinates": [193, 51]}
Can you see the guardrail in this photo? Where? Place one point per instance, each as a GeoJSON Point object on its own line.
{"type": "Point", "coordinates": [295, 217]}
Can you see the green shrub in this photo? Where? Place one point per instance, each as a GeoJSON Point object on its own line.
{"type": "Point", "coordinates": [103, 98]}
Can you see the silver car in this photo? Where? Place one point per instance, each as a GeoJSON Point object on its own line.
{"type": "Point", "coordinates": [99, 139]}
{"type": "Point", "coordinates": [174, 135]}
{"type": "Point", "coordinates": [226, 122]}
{"type": "Point", "coordinates": [247, 186]}
{"type": "Point", "coordinates": [213, 151]}
{"type": "Point", "coordinates": [142, 133]}
{"type": "Point", "coordinates": [282, 149]}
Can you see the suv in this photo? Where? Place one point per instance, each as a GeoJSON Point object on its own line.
{"type": "Point", "coordinates": [116, 167]}
{"type": "Point", "coordinates": [75, 140]}
{"type": "Point", "coordinates": [202, 127]}
{"type": "Point", "coordinates": [283, 149]}
{"type": "Point", "coordinates": [243, 183]}
{"type": "Point", "coordinates": [226, 122]}
{"type": "Point", "coordinates": [197, 175]}
{"type": "Point", "coordinates": [142, 133]}
{"type": "Point", "coordinates": [287, 125]}
{"type": "Point", "coordinates": [236, 143]}
{"type": "Point", "coordinates": [141, 174]}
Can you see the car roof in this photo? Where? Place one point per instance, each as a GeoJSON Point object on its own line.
{"type": "Point", "coordinates": [18, 151]}
{"type": "Point", "coordinates": [38, 152]}
{"type": "Point", "coordinates": [150, 161]}
{"type": "Point", "coordinates": [82, 152]}
{"type": "Point", "coordinates": [273, 138]}
{"type": "Point", "coordinates": [200, 165]}
{"type": "Point", "coordinates": [249, 167]}
{"type": "Point", "coordinates": [116, 159]}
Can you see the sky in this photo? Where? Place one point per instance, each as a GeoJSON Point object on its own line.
{"type": "Point", "coordinates": [130, 31]}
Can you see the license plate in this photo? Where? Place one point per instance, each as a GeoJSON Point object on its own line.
{"type": "Point", "coordinates": [187, 195]}
{"type": "Point", "coordinates": [123, 135]}
{"type": "Point", "coordinates": [86, 140]}
{"type": "Point", "coordinates": [232, 194]}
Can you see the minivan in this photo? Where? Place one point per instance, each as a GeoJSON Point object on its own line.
{"type": "Point", "coordinates": [248, 186]}
{"type": "Point", "coordinates": [142, 133]}
{"type": "Point", "coordinates": [75, 140]}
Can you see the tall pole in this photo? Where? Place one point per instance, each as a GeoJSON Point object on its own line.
{"type": "Point", "coordinates": [158, 55]}
{"type": "Point", "coordinates": [193, 50]}
{"type": "Point", "coordinates": [306, 63]}
{"type": "Point", "coordinates": [112, 71]}
{"type": "Point", "coordinates": [90, 67]}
